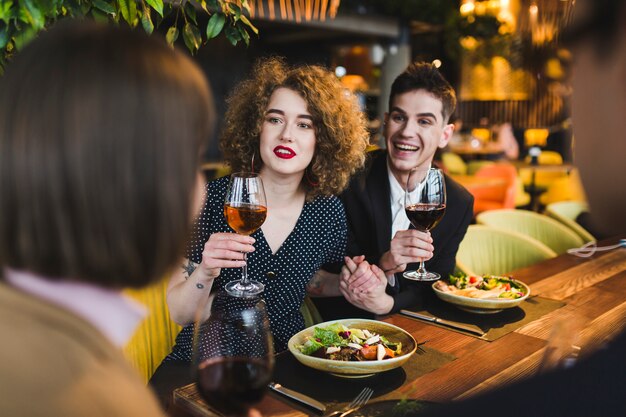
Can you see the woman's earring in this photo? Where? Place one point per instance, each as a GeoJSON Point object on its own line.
{"type": "Point", "coordinates": [252, 164]}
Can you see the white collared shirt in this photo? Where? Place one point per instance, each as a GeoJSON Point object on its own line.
{"type": "Point", "coordinates": [399, 220]}
{"type": "Point", "coordinates": [113, 314]}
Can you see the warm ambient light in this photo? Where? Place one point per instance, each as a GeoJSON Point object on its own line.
{"type": "Point", "coordinates": [340, 71]}
{"type": "Point", "coordinates": [293, 9]}
{"type": "Point", "coordinates": [437, 63]}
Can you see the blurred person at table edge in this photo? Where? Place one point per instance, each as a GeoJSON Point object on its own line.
{"type": "Point", "coordinates": [100, 138]}
{"type": "Point", "coordinates": [305, 136]}
{"type": "Point", "coordinates": [381, 241]}
{"type": "Point", "coordinates": [596, 384]}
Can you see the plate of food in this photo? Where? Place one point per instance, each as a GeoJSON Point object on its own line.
{"type": "Point", "coordinates": [486, 294]}
{"type": "Point", "coordinates": [353, 348]}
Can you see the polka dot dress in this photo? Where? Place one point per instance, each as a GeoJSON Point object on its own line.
{"type": "Point", "coordinates": [319, 237]}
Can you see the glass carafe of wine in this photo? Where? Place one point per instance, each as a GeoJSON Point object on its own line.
{"type": "Point", "coordinates": [245, 209]}
{"type": "Point", "coordinates": [425, 205]}
{"type": "Point", "coordinates": [233, 354]}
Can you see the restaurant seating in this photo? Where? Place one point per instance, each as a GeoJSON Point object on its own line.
{"type": "Point", "coordinates": [550, 232]}
{"type": "Point", "coordinates": [564, 188]}
{"type": "Point", "coordinates": [498, 196]}
{"type": "Point", "coordinates": [155, 336]}
{"type": "Point", "coordinates": [310, 313]}
{"type": "Point", "coordinates": [566, 212]}
{"type": "Point", "coordinates": [453, 163]}
{"type": "Point", "coordinates": [475, 165]}
{"type": "Point", "coordinates": [489, 250]}
{"type": "Point", "coordinates": [547, 158]}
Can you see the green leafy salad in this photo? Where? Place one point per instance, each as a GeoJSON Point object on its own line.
{"type": "Point", "coordinates": [338, 342]}
{"type": "Point", "coordinates": [486, 286]}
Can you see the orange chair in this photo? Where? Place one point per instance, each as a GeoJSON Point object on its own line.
{"type": "Point", "coordinates": [501, 194]}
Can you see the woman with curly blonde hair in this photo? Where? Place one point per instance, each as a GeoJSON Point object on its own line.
{"type": "Point", "coordinates": [305, 135]}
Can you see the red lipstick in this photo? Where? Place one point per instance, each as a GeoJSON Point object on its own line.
{"type": "Point", "coordinates": [284, 152]}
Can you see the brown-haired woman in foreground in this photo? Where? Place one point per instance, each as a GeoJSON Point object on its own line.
{"type": "Point", "coordinates": [100, 136]}
{"type": "Point", "coordinates": [305, 135]}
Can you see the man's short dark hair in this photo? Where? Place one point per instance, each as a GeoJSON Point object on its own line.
{"type": "Point", "coordinates": [425, 76]}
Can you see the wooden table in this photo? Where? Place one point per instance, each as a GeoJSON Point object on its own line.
{"type": "Point", "coordinates": [594, 293]}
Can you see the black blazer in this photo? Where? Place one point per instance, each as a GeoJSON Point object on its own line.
{"type": "Point", "coordinates": [368, 210]}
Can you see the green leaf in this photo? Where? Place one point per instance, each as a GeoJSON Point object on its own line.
{"type": "Point", "coordinates": [99, 16]}
{"type": "Point", "coordinates": [33, 14]}
{"type": "Point", "coordinates": [192, 37]}
{"type": "Point", "coordinates": [232, 35]}
{"type": "Point", "coordinates": [156, 5]}
{"type": "Point", "coordinates": [215, 25]}
{"type": "Point", "coordinates": [203, 5]}
{"type": "Point", "coordinates": [236, 10]}
{"type": "Point", "coordinates": [190, 11]}
{"type": "Point", "coordinates": [5, 11]}
{"type": "Point", "coordinates": [244, 34]}
{"type": "Point", "coordinates": [4, 37]}
{"type": "Point", "coordinates": [24, 36]}
{"type": "Point", "coordinates": [172, 35]}
{"type": "Point", "coordinates": [104, 6]}
{"type": "Point", "coordinates": [248, 23]}
{"type": "Point", "coordinates": [128, 8]}
{"type": "Point", "coordinates": [146, 21]}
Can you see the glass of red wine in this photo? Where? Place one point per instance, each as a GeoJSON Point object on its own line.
{"type": "Point", "coordinates": [245, 210]}
{"type": "Point", "coordinates": [425, 205]}
{"type": "Point", "coordinates": [233, 354]}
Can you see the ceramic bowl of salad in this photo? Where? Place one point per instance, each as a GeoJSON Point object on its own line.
{"type": "Point", "coordinates": [486, 294]}
{"type": "Point", "coordinates": [353, 348]}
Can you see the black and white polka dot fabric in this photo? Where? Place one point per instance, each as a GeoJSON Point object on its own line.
{"type": "Point", "coordinates": [318, 238]}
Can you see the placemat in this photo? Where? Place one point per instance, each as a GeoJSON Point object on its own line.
{"type": "Point", "coordinates": [493, 326]}
{"type": "Point", "coordinates": [328, 389]}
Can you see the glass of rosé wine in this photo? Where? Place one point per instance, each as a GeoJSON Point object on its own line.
{"type": "Point", "coordinates": [245, 210]}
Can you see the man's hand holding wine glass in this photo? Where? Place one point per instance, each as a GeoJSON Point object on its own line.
{"type": "Point", "coordinates": [407, 246]}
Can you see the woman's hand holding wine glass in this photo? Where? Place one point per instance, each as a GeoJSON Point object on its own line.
{"type": "Point", "coordinates": [245, 209]}
{"type": "Point", "coordinates": [425, 206]}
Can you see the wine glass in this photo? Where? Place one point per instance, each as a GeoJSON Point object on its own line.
{"type": "Point", "coordinates": [425, 205]}
{"type": "Point", "coordinates": [245, 209]}
{"type": "Point", "coordinates": [233, 354]}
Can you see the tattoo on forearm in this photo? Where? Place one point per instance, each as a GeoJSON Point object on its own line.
{"type": "Point", "coordinates": [315, 286]}
{"type": "Point", "coordinates": [189, 268]}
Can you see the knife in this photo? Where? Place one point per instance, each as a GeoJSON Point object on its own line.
{"type": "Point", "coordinates": [299, 397]}
{"type": "Point", "coordinates": [460, 326]}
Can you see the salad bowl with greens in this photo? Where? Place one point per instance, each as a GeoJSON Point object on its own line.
{"type": "Point", "coordinates": [484, 294]}
{"type": "Point", "coordinates": [353, 348]}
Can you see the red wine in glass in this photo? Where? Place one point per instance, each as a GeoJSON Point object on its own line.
{"type": "Point", "coordinates": [425, 206]}
{"type": "Point", "coordinates": [233, 353]}
{"type": "Point", "coordinates": [424, 216]}
{"type": "Point", "coordinates": [233, 385]}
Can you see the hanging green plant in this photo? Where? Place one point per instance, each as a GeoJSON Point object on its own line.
{"type": "Point", "coordinates": [21, 20]}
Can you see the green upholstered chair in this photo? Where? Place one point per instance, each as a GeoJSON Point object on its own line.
{"type": "Point", "coordinates": [310, 313]}
{"type": "Point", "coordinates": [453, 163]}
{"type": "Point", "coordinates": [488, 250]}
{"type": "Point", "coordinates": [548, 231]}
{"type": "Point", "coordinates": [155, 336]}
{"type": "Point", "coordinates": [566, 212]}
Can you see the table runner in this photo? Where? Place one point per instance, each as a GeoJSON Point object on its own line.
{"type": "Point", "coordinates": [494, 326]}
{"type": "Point", "coordinates": [329, 389]}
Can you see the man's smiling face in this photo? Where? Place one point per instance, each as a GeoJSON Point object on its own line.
{"type": "Point", "coordinates": [414, 129]}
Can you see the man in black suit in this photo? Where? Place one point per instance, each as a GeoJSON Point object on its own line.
{"type": "Point", "coordinates": [420, 105]}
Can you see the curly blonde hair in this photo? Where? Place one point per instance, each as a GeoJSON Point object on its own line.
{"type": "Point", "coordinates": [340, 126]}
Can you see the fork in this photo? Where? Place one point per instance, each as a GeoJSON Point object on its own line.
{"type": "Point", "coordinates": [359, 401]}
